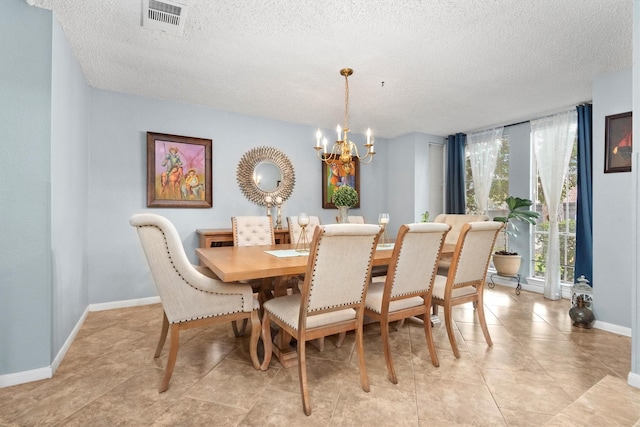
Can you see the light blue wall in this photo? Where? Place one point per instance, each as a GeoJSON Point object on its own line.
{"type": "Point", "coordinates": [520, 173]}
{"type": "Point", "coordinates": [613, 202]}
{"type": "Point", "coordinates": [117, 173]}
{"type": "Point", "coordinates": [70, 114]}
{"type": "Point", "coordinates": [25, 186]}
{"type": "Point", "coordinates": [408, 179]}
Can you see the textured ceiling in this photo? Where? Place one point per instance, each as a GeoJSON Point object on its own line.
{"type": "Point", "coordinates": [447, 65]}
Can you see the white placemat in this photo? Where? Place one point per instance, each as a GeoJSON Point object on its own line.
{"type": "Point", "coordinates": [286, 253]}
{"type": "Point", "coordinates": [384, 247]}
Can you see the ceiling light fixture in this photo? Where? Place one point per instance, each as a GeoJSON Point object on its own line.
{"type": "Point", "coordinates": [343, 148]}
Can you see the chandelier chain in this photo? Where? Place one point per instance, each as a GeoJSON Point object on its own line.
{"type": "Point", "coordinates": [346, 102]}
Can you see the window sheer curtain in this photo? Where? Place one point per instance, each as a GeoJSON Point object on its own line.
{"type": "Point", "coordinates": [552, 138]}
{"type": "Point", "coordinates": [483, 148]}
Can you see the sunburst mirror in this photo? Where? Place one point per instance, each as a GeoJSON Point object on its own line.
{"type": "Point", "coordinates": [265, 171]}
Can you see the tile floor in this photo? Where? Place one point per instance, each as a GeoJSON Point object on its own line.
{"type": "Point", "coordinates": [540, 370]}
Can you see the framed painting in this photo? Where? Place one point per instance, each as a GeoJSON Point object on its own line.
{"type": "Point", "coordinates": [618, 143]}
{"type": "Point", "coordinates": [178, 171]}
{"type": "Point", "coordinates": [334, 175]}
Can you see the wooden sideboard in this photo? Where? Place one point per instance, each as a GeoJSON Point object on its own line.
{"type": "Point", "coordinates": [215, 237]}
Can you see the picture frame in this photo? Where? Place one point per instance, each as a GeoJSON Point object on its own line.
{"type": "Point", "coordinates": [333, 175]}
{"type": "Point", "coordinates": [178, 171]}
{"type": "Point", "coordinates": [618, 143]}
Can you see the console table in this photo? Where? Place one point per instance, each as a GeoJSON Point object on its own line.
{"type": "Point", "coordinates": [216, 237]}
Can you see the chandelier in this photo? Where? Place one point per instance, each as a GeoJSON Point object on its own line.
{"type": "Point", "coordinates": [343, 149]}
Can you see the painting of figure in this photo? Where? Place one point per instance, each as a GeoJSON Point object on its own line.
{"type": "Point", "coordinates": [618, 143]}
{"type": "Point", "coordinates": [178, 171]}
{"type": "Point", "coordinates": [334, 176]}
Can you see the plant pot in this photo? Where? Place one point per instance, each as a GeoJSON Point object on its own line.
{"type": "Point", "coordinates": [507, 265]}
{"type": "Point", "coordinates": [343, 214]}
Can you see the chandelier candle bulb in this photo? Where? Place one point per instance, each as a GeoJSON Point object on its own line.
{"type": "Point", "coordinates": [368, 135]}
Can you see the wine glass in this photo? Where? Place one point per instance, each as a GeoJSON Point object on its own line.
{"type": "Point", "coordinates": [383, 220]}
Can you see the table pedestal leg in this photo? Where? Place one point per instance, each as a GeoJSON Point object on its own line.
{"type": "Point", "coordinates": [287, 355]}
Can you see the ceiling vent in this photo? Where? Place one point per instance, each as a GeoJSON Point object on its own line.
{"type": "Point", "coordinates": [168, 16]}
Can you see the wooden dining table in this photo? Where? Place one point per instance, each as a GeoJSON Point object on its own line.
{"type": "Point", "coordinates": [242, 263]}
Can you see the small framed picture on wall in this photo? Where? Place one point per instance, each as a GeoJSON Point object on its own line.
{"type": "Point", "coordinates": [618, 143]}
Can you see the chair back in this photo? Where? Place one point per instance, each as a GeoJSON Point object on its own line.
{"type": "Point", "coordinates": [353, 219]}
{"type": "Point", "coordinates": [339, 268]}
{"type": "Point", "coordinates": [294, 228]}
{"type": "Point", "coordinates": [415, 258]}
{"type": "Point", "coordinates": [456, 221]}
{"type": "Point", "coordinates": [472, 255]}
{"type": "Point", "coordinates": [252, 231]}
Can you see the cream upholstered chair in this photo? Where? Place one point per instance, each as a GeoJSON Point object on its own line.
{"type": "Point", "coordinates": [456, 221]}
{"type": "Point", "coordinates": [354, 219]}
{"type": "Point", "coordinates": [405, 292]}
{"type": "Point", "coordinates": [467, 274]}
{"type": "Point", "coordinates": [252, 231]}
{"type": "Point", "coordinates": [190, 296]}
{"type": "Point", "coordinates": [294, 228]}
{"type": "Point", "coordinates": [332, 298]}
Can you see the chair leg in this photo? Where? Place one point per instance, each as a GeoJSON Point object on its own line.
{"type": "Point", "coordinates": [399, 324]}
{"type": "Point", "coordinates": [341, 336]}
{"type": "Point", "coordinates": [448, 321]}
{"type": "Point", "coordinates": [386, 347]}
{"type": "Point", "coordinates": [239, 332]}
{"type": "Point", "coordinates": [321, 344]}
{"type": "Point", "coordinates": [364, 379]}
{"type": "Point", "coordinates": [163, 335]}
{"type": "Point", "coordinates": [173, 355]}
{"type": "Point", "coordinates": [255, 337]}
{"type": "Point", "coordinates": [302, 373]}
{"type": "Point", "coordinates": [266, 341]}
{"type": "Point", "coordinates": [483, 322]}
{"type": "Point", "coordinates": [428, 331]}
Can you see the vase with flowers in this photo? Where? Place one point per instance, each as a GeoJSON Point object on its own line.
{"type": "Point", "coordinates": [344, 198]}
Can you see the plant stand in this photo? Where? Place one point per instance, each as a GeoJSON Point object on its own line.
{"type": "Point", "coordinates": [517, 278]}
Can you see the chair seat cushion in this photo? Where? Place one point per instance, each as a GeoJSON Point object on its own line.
{"type": "Point", "coordinates": [440, 284]}
{"type": "Point", "coordinates": [287, 309]}
{"type": "Point", "coordinates": [374, 299]}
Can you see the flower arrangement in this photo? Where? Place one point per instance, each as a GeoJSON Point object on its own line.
{"type": "Point", "coordinates": [345, 196]}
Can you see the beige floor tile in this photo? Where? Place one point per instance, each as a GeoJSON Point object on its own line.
{"type": "Point", "coordinates": [539, 370]}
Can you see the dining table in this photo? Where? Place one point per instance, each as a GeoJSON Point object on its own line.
{"type": "Point", "coordinates": [281, 263]}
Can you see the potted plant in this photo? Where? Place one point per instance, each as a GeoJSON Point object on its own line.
{"type": "Point", "coordinates": [344, 198]}
{"type": "Point", "coordinates": [507, 263]}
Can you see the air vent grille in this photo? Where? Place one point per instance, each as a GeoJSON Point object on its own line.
{"type": "Point", "coordinates": [165, 16]}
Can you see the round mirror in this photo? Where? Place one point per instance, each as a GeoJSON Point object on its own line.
{"type": "Point", "coordinates": [265, 171]}
{"type": "Point", "coordinates": [267, 176]}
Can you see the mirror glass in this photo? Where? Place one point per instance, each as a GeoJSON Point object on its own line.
{"type": "Point", "coordinates": [267, 176]}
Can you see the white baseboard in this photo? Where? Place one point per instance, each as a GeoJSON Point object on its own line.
{"type": "Point", "coordinates": [610, 327]}
{"type": "Point", "coordinates": [25, 377]}
{"type": "Point", "coordinates": [123, 304]}
{"type": "Point", "coordinates": [47, 372]}
{"type": "Point", "coordinates": [633, 380]}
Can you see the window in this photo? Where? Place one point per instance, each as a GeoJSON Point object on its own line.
{"type": "Point", "coordinates": [566, 223]}
{"type": "Point", "coordinates": [499, 186]}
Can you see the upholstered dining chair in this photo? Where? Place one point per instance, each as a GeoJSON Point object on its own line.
{"type": "Point", "coordinates": [190, 296]}
{"type": "Point", "coordinates": [253, 231]}
{"type": "Point", "coordinates": [467, 274]}
{"type": "Point", "coordinates": [354, 219]}
{"type": "Point", "coordinates": [456, 221]}
{"type": "Point", "coordinates": [405, 292]}
{"type": "Point", "coordinates": [332, 297]}
{"type": "Point", "coordinates": [295, 229]}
